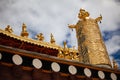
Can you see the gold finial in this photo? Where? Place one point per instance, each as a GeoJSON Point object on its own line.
{"type": "Point", "coordinates": [24, 32]}
{"type": "Point", "coordinates": [24, 28]}
{"type": "Point", "coordinates": [83, 14]}
{"type": "Point", "coordinates": [115, 66]}
{"type": "Point", "coordinates": [52, 40]}
{"type": "Point", "coordinates": [8, 29]}
{"type": "Point", "coordinates": [40, 36]}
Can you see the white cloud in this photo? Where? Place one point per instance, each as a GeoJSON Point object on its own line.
{"type": "Point", "coordinates": [113, 44]}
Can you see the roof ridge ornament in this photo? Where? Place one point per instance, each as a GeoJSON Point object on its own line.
{"type": "Point", "coordinates": [24, 32]}
{"type": "Point", "coordinates": [52, 40]}
{"type": "Point", "coordinates": [40, 37]}
{"type": "Point", "coordinates": [9, 29]}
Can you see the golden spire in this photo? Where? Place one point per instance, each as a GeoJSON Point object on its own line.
{"type": "Point", "coordinates": [9, 29]}
{"type": "Point", "coordinates": [52, 40]}
{"type": "Point", "coordinates": [24, 32]}
{"type": "Point", "coordinates": [40, 36]}
{"type": "Point", "coordinates": [115, 65]}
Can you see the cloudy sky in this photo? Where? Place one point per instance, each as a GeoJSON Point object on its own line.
{"type": "Point", "coordinates": [53, 16]}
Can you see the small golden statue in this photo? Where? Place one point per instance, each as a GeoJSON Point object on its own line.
{"type": "Point", "coordinates": [66, 53]}
{"type": "Point", "coordinates": [52, 40]}
{"type": "Point", "coordinates": [115, 66]}
{"type": "Point", "coordinates": [40, 37]}
{"type": "Point", "coordinates": [24, 32]}
{"type": "Point", "coordinates": [9, 29]}
{"type": "Point", "coordinates": [60, 54]}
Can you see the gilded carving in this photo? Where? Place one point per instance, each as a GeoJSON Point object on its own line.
{"type": "Point", "coordinates": [68, 53]}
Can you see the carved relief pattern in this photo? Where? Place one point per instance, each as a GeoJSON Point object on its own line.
{"type": "Point", "coordinates": [93, 40]}
{"type": "Point", "coordinates": [81, 39]}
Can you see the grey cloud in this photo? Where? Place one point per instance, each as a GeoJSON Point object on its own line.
{"type": "Point", "coordinates": [117, 0]}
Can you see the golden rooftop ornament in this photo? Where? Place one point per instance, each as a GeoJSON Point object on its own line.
{"type": "Point", "coordinates": [52, 40]}
{"type": "Point", "coordinates": [24, 32]}
{"type": "Point", "coordinates": [40, 37]}
{"type": "Point", "coordinates": [60, 53]}
{"type": "Point", "coordinates": [68, 53]}
{"type": "Point", "coordinates": [90, 43]}
{"type": "Point", "coordinates": [9, 29]}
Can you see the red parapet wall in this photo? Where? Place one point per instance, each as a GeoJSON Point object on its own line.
{"type": "Point", "coordinates": [9, 41]}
